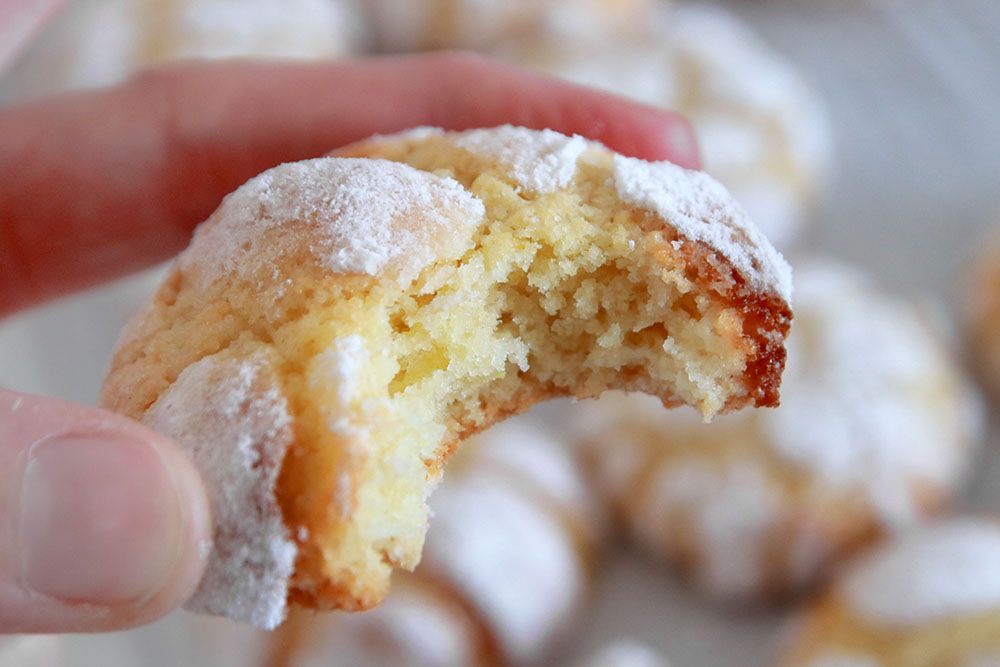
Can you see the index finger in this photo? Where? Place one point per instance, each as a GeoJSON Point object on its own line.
{"type": "Point", "coordinates": [98, 184]}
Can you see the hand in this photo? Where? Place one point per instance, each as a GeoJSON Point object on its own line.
{"type": "Point", "coordinates": [103, 523]}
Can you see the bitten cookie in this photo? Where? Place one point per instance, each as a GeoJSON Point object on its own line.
{"type": "Point", "coordinates": [763, 132]}
{"type": "Point", "coordinates": [928, 598]}
{"type": "Point", "coordinates": [338, 325]}
{"type": "Point", "coordinates": [877, 426]}
{"type": "Point", "coordinates": [506, 567]}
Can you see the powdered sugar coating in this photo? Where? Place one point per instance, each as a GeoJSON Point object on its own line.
{"type": "Point", "coordinates": [544, 161]}
{"type": "Point", "coordinates": [539, 161]}
{"type": "Point", "coordinates": [232, 419]}
{"type": "Point", "coordinates": [937, 572]}
{"type": "Point", "coordinates": [350, 216]}
{"type": "Point", "coordinates": [702, 210]}
{"type": "Point", "coordinates": [516, 563]}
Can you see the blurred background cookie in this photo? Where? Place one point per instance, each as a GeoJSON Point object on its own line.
{"type": "Point", "coordinates": [875, 431]}
{"type": "Point", "coordinates": [100, 42]}
{"type": "Point", "coordinates": [625, 653]}
{"type": "Point", "coordinates": [507, 564]}
{"type": "Point", "coordinates": [929, 598]}
{"type": "Point", "coordinates": [415, 25]}
{"type": "Point", "coordinates": [31, 651]}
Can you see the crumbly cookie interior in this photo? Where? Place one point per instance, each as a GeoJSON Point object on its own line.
{"type": "Point", "coordinates": [551, 300]}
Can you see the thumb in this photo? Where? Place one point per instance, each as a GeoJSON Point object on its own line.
{"type": "Point", "coordinates": [103, 523]}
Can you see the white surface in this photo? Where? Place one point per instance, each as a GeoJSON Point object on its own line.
{"type": "Point", "coordinates": [913, 93]}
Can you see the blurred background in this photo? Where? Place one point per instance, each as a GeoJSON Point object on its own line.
{"type": "Point", "coordinates": [862, 135]}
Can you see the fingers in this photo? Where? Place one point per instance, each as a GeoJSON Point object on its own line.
{"type": "Point", "coordinates": [99, 184]}
{"type": "Point", "coordinates": [103, 523]}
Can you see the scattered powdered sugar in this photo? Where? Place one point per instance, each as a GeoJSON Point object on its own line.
{"type": "Point", "coordinates": [937, 572]}
{"type": "Point", "coordinates": [626, 653]}
{"type": "Point", "coordinates": [870, 399]}
{"type": "Point", "coordinates": [702, 210]}
{"type": "Point", "coordinates": [539, 161]}
{"type": "Point", "coordinates": [516, 563]}
{"type": "Point", "coordinates": [730, 509]}
{"type": "Point", "coordinates": [231, 418]}
{"type": "Point", "coordinates": [352, 216]}
{"type": "Point", "coordinates": [339, 366]}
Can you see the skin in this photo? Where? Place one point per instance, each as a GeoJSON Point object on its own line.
{"type": "Point", "coordinates": [104, 524]}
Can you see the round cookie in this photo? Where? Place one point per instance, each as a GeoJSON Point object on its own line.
{"type": "Point", "coordinates": [928, 598]}
{"type": "Point", "coordinates": [876, 427]}
{"type": "Point", "coordinates": [101, 42]}
{"type": "Point", "coordinates": [505, 568]}
{"type": "Point", "coordinates": [365, 315]}
{"type": "Point", "coordinates": [415, 25]}
{"type": "Point", "coordinates": [981, 310]}
{"type": "Point", "coordinates": [762, 131]}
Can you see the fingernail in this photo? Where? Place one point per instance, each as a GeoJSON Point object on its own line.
{"type": "Point", "coordinates": [100, 519]}
{"type": "Point", "coordinates": [682, 142]}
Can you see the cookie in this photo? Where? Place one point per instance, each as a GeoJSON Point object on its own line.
{"type": "Point", "coordinates": [414, 25]}
{"type": "Point", "coordinates": [101, 42]}
{"type": "Point", "coordinates": [929, 597]}
{"type": "Point", "coordinates": [339, 325]}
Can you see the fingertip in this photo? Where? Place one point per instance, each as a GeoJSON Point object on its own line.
{"type": "Point", "coordinates": [111, 522]}
{"type": "Point", "coordinates": [630, 128]}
